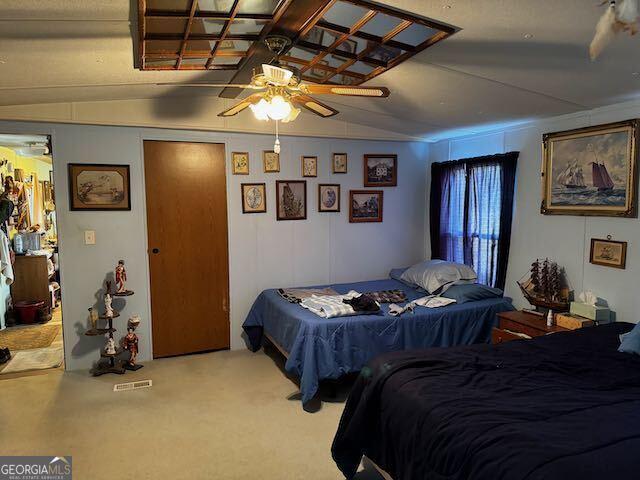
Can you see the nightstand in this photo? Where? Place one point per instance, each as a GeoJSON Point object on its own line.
{"type": "Point", "coordinates": [517, 325]}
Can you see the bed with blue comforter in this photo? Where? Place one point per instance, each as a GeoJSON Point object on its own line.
{"type": "Point", "coordinates": [319, 348]}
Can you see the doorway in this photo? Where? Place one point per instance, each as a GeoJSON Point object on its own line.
{"type": "Point", "coordinates": [187, 246]}
{"type": "Point", "coordinates": [30, 294]}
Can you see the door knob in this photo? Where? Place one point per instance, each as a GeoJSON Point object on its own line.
{"type": "Point", "coordinates": [156, 250]}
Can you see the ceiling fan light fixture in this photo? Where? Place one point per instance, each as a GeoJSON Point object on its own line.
{"type": "Point", "coordinates": [260, 110]}
{"type": "Point", "coordinates": [292, 116]}
{"type": "Point", "coordinates": [279, 108]}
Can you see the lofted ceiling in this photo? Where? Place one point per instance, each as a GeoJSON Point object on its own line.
{"type": "Point", "coordinates": [511, 61]}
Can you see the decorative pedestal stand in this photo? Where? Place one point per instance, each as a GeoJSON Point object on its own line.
{"type": "Point", "coordinates": [113, 365]}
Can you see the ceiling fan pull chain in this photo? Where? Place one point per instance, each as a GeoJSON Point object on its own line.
{"type": "Point", "coordinates": [276, 145]}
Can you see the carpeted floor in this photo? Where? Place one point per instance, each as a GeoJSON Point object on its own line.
{"type": "Point", "coordinates": [28, 337]}
{"type": "Point", "coordinates": [26, 355]}
{"type": "Point", "coordinates": [223, 415]}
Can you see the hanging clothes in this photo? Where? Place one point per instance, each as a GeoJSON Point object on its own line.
{"type": "Point", "coordinates": [6, 266]}
{"type": "Point", "coordinates": [37, 202]}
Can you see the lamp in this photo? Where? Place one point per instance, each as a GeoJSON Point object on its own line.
{"type": "Point", "coordinates": [260, 109]}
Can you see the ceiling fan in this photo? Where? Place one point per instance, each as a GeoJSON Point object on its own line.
{"type": "Point", "coordinates": [280, 91]}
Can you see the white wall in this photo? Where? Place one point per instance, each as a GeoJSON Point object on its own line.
{"type": "Point", "coordinates": [264, 253]}
{"type": "Point", "coordinates": [565, 239]}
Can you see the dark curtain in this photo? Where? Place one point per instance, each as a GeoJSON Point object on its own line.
{"type": "Point", "coordinates": [471, 207]}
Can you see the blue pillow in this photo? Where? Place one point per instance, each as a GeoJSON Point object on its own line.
{"type": "Point", "coordinates": [471, 292]}
{"type": "Point", "coordinates": [631, 341]}
{"type": "Point", "coordinates": [396, 274]}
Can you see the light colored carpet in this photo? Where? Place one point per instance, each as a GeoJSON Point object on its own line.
{"type": "Point", "coordinates": [39, 359]}
{"type": "Point", "coordinates": [223, 415]}
{"type": "Point", "coordinates": [28, 337]}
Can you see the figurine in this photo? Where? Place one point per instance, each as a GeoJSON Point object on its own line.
{"type": "Point", "coordinates": [121, 277]}
{"type": "Point", "coordinates": [130, 343]}
{"type": "Point", "coordinates": [107, 305]}
{"type": "Point", "coordinates": [93, 316]}
{"type": "Point", "coordinates": [134, 321]}
{"type": "Point", "coordinates": [110, 348]}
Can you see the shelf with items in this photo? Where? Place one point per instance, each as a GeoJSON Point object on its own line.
{"type": "Point", "coordinates": [129, 343]}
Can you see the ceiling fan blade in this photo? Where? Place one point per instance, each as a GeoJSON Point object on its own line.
{"type": "Point", "coordinates": [314, 106]}
{"type": "Point", "coordinates": [211, 85]}
{"type": "Point", "coordinates": [242, 105]}
{"type": "Point", "coordinates": [381, 92]}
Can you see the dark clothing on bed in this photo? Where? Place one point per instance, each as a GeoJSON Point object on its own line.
{"type": "Point", "coordinates": [363, 304]}
{"type": "Point", "coordinates": [562, 406]}
{"type": "Point", "coordinates": [388, 296]}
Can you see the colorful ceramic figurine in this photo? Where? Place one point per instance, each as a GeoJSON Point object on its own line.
{"type": "Point", "coordinates": [130, 343]}
{"type": "Point", "coordinates": [93, 316]}
{"type": "Point", "coordinates": [121, 277]}
{"type": "Point", "coordinates": [107, 305]}
{"type": "Point", "coordinates": [110, 348]}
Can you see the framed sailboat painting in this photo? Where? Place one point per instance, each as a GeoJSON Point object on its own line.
{"type": "Point", "coordinates": [591, 171]}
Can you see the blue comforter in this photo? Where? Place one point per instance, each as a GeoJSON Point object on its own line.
{"type": "Point", "coordinates": [321, 348]}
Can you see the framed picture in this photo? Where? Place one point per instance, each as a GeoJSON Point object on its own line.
{"type": "Point", "coordinates": [365, 206]}
{"type": "Point", "coordinates": [328, 197]}
{"type": "Point", "coordinates": [309, 166]}
{"type": "Point", "coordinates": [608, 253]}
{"type": "Point", "coordinates": [254, 197]}
{"type": "Point", "coordinates": [591, 171]}
{"type": "Point", "coordinates": [240, 162]}
{"type": "Point", "coordinates": [380, 170]}
{"type": "Point", "coordinates": [94, 186]}
{"type": "Point", "coordinates": [291, 199]}
{"type": "Point", "coordinates": [271, 161]}
{"type": "Point", "coordinates": [339, 163]}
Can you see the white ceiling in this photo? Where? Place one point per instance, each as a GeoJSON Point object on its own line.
{"type": "Point", "coordinates": [486, 74]}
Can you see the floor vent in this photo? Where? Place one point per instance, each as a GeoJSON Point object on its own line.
{"type": "Point", "coordinates": [121, 387]}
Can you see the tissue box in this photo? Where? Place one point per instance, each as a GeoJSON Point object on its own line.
{"type": "Point", "coordinates": [598, 314]}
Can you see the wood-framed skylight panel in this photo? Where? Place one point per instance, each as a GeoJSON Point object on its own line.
{"type": "Point", "coordinates": [376, 39]}
{"type": "Point", "coordinates": [164, 24]}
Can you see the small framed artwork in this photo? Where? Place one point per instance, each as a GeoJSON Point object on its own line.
{"type": "Point", "coordinates": [328, 197]}
{"type": "Point", "coordinates": [591, 171]}
{"type": "Point", "coordinates": [309, 166]}
{"type": "Point", "coordinates": [609, 253]}
{"type": "Point", "coordinates": [291, 199]}
{"type": "Point", "coordinates": [254, 197]}
{"type": "Point", "coordinates": [95, 186]}
{"type": "Point", "coordinates": [365, 206]}
{"type": "Point", "coordinates": [339, 163]}
{"type": "Point", "coordinates": [271, 161]}
{"type": "Point", "coordinates": [240, 162]}
{"type": "Point", "coordinates": [380, 170]}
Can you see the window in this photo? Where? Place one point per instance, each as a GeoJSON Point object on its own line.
{"type": "Point", "coordinates": [471, 211]}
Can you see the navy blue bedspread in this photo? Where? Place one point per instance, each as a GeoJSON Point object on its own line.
{"type": "Point", "coordinates": [321, 348]}
{"type": "Point", "coordinates": [562, 406]}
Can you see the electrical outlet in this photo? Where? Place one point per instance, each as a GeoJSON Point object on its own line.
{"type": "Point", "coordinates": [89, 237]}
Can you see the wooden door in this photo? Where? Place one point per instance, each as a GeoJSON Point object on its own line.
{"type": "Point", "coordinates": [188, 248]}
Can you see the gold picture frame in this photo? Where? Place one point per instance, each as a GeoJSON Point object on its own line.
{"type": "Point", "coordinates": [98, 186]}
{"type": "Point", "coordinates": [309, 166]}
{"type": "Point", "coordinates": [271, 161]}
{"type": "Point", "coordinates": [339, 163]}
{"type": "Point", "coordinates": [608, 253]}
{"type": "Point", "coordinates": [591, 171]}
{"type": "Point", "coordinates": [240, 163]}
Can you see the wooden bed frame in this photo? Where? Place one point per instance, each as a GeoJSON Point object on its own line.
{"type": "Point", "coordinates": [276, 344]}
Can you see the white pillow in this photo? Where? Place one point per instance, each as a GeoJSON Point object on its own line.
{"type": "Point", "coordinates": [435, 276]}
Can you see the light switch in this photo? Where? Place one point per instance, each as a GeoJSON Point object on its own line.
{"type": "Point", "coordinates": [89, 237]}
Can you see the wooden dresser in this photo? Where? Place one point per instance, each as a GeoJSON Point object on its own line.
{"type": "Point", "coordinates": [528, 325]}
{"type": "Point", "coordinates": [31, 279]}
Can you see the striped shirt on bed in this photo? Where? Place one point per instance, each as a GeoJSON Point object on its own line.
{"type": "Point", "coordinates": [330, 306]}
